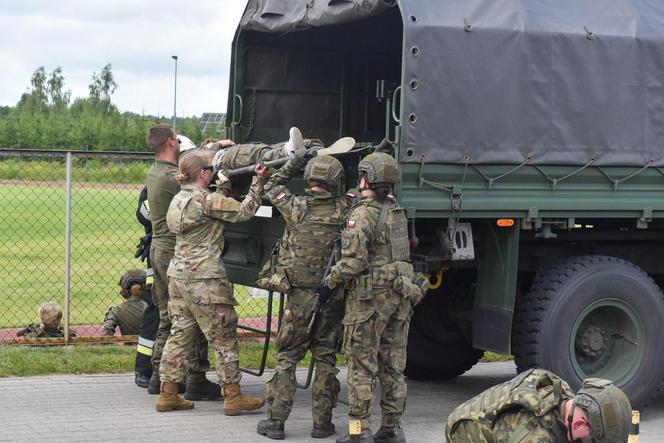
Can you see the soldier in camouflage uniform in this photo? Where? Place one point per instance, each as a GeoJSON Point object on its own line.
{"type": "Point", "coordinates": [201, 295]}
{"type": "Point", "coordinates": [161, 188]}
{"type": "Point", "coordinates": [50, 315]}
{"type": "Point", "coordinates": [538, 407]}
{"type": "Point", "coordinates": [313, 223]}
{"type": "Point", "coordinates": [127, 315]}
{"type": "Point", "coordinates": [375, 265]}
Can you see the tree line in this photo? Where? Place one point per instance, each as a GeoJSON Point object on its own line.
{"type": "Point", "coordinates": [46, 117]}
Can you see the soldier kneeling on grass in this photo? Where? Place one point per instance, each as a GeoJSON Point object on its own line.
{"type": "Point", "coordinates": [538, 406]}
{"type": "Point", "coordinates": [128, 314]}
{"type": "Point", "coordinates": [50, 315]}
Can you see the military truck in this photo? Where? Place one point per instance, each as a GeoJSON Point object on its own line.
{"type": "Point", "coordinates": [530, 137]}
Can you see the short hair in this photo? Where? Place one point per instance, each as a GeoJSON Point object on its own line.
{"type": "Point", "coordinates": [157, 136]}
{"type": "Point", "coordinates": [192, 164]}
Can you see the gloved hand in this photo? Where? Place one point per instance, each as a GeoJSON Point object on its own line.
{"type": "Point", "coordinates": [324, 291]}
{"type": "Point", "coordinates": [143, 246]}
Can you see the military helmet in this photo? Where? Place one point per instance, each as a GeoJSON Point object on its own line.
{"type": "Point", "coordinates": [324, 168]}
{"type": "Point", "coordinates": [379, 168]}
{"type": "Point", "coordinates": [132, 277]}
{"type": "Point", "coordinates": [609, 411]}
{"type": "Point", "coordinates": [49, 313]}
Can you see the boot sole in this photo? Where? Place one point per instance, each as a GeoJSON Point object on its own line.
{"type": "Point", "coordinates": [273, 435]}
{"type": "Point", "coordinates": [232, 413]}
{"type": "Point", "coordinates": [173, 408]}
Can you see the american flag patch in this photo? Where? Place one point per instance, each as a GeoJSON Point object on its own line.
{"type": "Point", "coordinates": [350, 224]}
{"type": "Point", "coordinates": [280, 195]}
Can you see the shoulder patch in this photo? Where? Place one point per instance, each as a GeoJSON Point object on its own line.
{"type": "Point", "coordinates": [217, 202]}
{"type": "Point", "coordinates": [280, 195]}
{"type": "Point", "coordinates": [350, 224]}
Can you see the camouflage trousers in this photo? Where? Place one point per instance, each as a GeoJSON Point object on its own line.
{"type": "Point", "coordinates": [375, 337]}
{"type": "Point", "coordinates": [198, 304]}
{"type": "Point", "coordinates": [246, 154]}
{"type": "Point", "coordinates": [293, 343]}
{"type": "Point", "coordinates": [197, 360]}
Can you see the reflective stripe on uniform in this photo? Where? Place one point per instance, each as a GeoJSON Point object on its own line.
{"type": "Point", "coordinates": [144, 350]}
{"type": "Point", "coordinates": [145, 210]}
{"type": "Point", "coordinates": [149, 276]}
{"type": "Point", "coordinates": [145, 342]}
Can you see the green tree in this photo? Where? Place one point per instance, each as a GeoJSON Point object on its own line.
{"type": "Point", "coordinates": [59, 99]}
{"type": "Point", "coordinates": [101, 88]}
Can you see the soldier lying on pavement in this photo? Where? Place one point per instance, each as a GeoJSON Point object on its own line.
{"type": "Point", "coordinates": [538, 406]}
{"type": "Point", "coordinates": [200, 293]}
{"type": "Point", "coordinates": [50, 315]}
{"type": "Point", "coordinates": [128, 314]}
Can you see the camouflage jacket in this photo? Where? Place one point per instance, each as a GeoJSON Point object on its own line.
{"type": "Point", "coordinates": [373, 246]}
{"type": "Point", "coordinates": [35, 330]}
{"type": "Point", "coordinates": [312, 223]}
{"type": "Point", "coordinates": [525, 409]}
{"type": "Point", "coordinates": [127, 316]}
{"type": "Point", "coordinates": [196, 217]}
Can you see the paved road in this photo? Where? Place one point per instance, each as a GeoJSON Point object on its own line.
{"type": "Point", "coordinates": [83, 408]}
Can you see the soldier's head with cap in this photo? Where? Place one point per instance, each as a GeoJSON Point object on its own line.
{"type": "Point", "coordinates": [600, 412]}
{"type": "Point", "coordinates": [50, 314]}
{"type": "Point", "coordinates": [131, 283]}
{"type": "Point", "coordinates": [378, 173]}
{"type": "Point", "coordinates": [324, 173]}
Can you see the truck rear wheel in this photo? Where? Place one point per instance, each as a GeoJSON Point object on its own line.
{"type": "Point", "coordinates": [437, 347]}
{"type": "Point", "coordinates": [593, 316]}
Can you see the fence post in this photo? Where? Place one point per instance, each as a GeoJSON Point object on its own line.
{"type": "Point", "coordinates": [68, 244]}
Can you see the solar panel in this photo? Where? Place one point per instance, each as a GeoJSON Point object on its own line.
{"type": "Point", "coordinates": [212, 122]}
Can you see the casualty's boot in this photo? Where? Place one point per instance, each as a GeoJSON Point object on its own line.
{"type": "Point", "coordinates": [271, 428]}
{"type": "Point", "coordinates": [200, 388]}
{"type": "Point", "coordinates": [235, 403]}
{"type": "Point", "coordinates": [366, 436]}
{"type": "Point", "coordinates": [169, 399]}
{"type": "Point", "coordinates": [322, 430]}
{"type": "Point", "coordinates": [390, 434]}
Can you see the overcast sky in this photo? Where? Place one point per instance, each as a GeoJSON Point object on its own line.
{"type": "Point", "coordinates": [137, 37]}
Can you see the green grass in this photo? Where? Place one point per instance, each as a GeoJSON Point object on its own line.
{"type": "Point", "coordinates": [104, 237]}
{"type": "Point", "coordinates": [83, 170]}
{"type": "Point", "coordinates": [25, 361]}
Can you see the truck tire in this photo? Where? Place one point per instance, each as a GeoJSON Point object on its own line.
{"type": "Point", "coordinates": [593, 316]}
{"type": "Point", "coordinates": [437, 348]}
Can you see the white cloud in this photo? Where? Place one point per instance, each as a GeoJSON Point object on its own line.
{"type": "Point", "coordinates": [137, 37]}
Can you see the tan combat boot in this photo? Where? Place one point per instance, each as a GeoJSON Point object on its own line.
{"type": "Point", "coordinates": [236, 403]}
{"type": "Point", "coordinates": [169, 399]}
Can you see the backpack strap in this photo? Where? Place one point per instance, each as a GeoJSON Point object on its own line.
{"type": "Point", "coordinates": [382, 218]}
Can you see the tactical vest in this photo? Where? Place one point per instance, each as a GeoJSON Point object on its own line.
{"type": "Point", "coordinates": [390, 239]}
{"type": "Point", "coordinates": [311, 242]}
{"type": "Point", "coordinates": [521, 393]}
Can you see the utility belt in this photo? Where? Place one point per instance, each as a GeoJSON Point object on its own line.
{"type": "Point", "coordinates": [398, 276]}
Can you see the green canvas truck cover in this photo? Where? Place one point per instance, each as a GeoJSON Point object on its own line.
{"type": "Point", "coordinates": [502, 81]}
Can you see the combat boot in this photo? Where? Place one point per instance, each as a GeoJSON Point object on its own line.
{"type": "Point", "coordinates": [169, 399]}
{"type": "Point", "coordinates": [200, 388]}
{"type": "Point", "coordinates": [154, 386]}
{"type": "Point", "coordinates": [141, 380]}
{"type": "Point", "coordinates": [365, 437]}
{"type": "Point", "coordinates": [322, 430]}
{"type": "Point", "coordinates": [235, 403]}
{"type": "Point", "coordinates": [390, 434]}
{"type": "Point", "coordinates": [271, 428]}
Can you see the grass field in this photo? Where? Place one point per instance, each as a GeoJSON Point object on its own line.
{"type": "Point", "coordinates": [104, 235]}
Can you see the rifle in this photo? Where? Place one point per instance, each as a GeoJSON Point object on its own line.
{"type": "Point", "coordinates": [30, 328]}
{"type": "Point", "coordinates": [320, 301]}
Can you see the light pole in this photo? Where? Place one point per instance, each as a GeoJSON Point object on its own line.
{"type": "Point", "coordinates": [175, 89]}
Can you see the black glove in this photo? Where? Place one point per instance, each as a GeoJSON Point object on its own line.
{"type": "Point", "coordinates": [324, 292]}
{"type": "Point", "coordinates": [143, 246]}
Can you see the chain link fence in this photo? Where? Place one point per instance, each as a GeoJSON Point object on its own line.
{"type": "Point", "coordinates": [69, 241]}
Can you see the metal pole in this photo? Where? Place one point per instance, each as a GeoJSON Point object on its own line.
{"type": "Point", "coordinates": [68, 245]}
{"type": "Point", "coordinates": [175, 89]}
